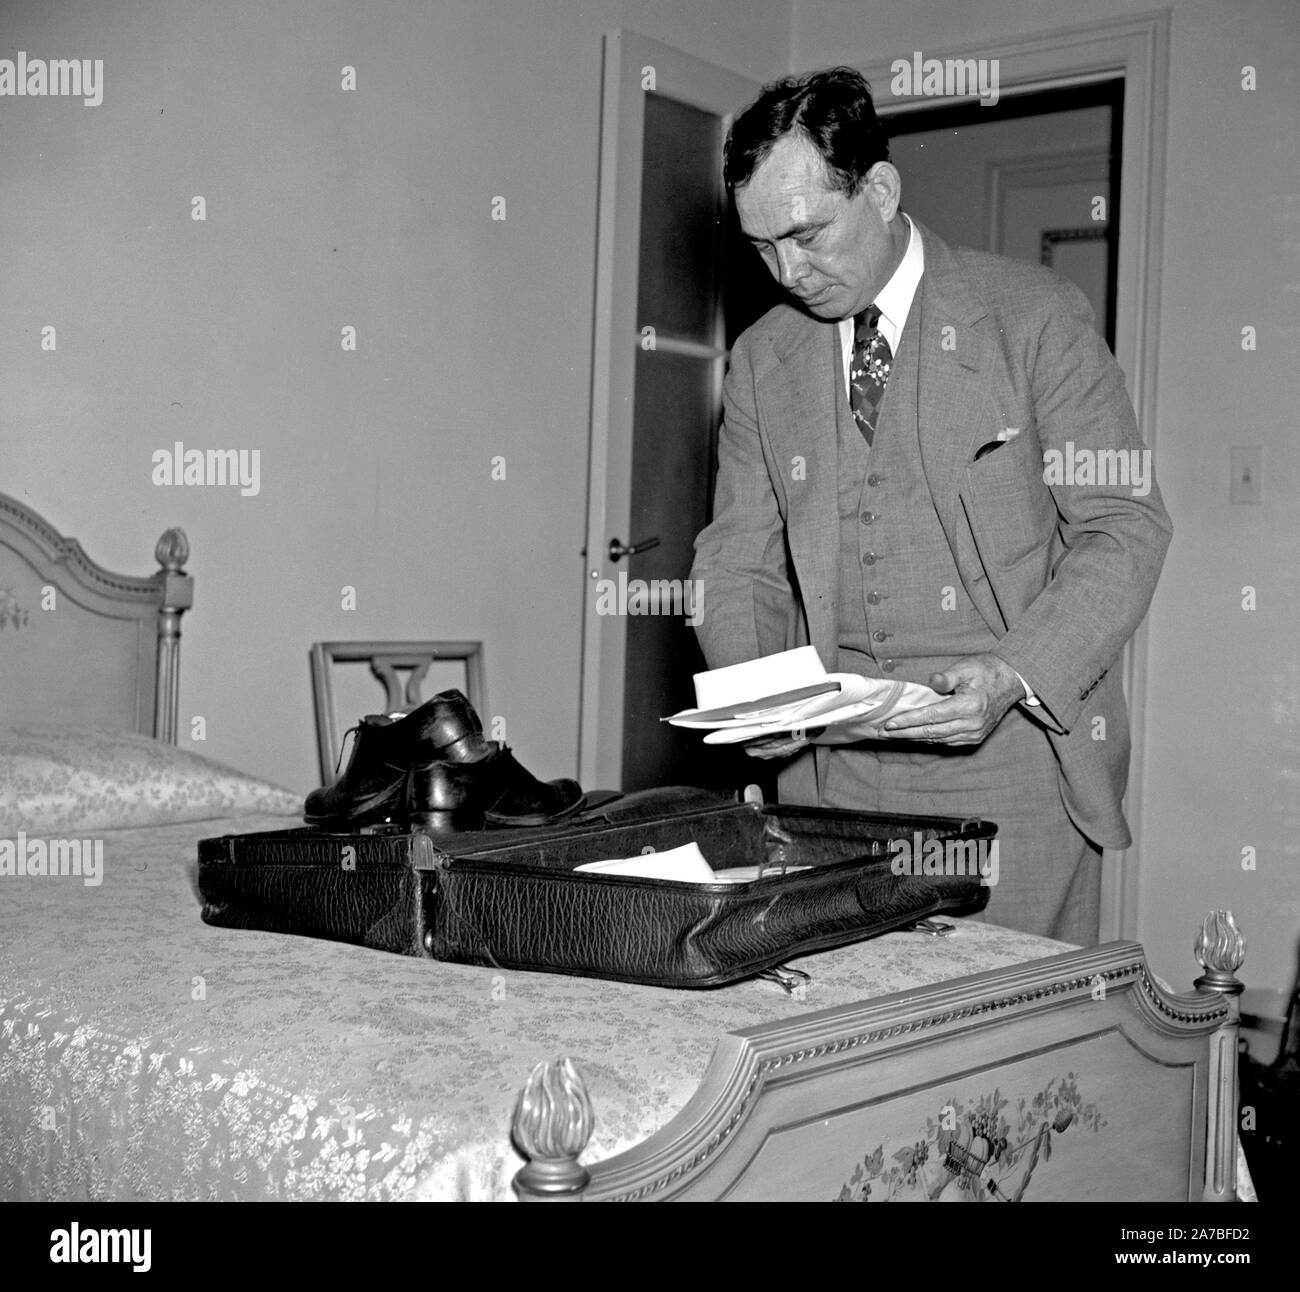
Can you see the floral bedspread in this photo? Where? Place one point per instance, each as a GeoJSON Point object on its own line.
{"type": "Point", "coordinates": [145, 1055]}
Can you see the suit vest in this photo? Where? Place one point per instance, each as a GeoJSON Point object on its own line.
{"type": "Point", "coordinates": [903, 612]}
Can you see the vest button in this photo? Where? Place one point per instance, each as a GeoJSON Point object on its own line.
{"type": "Point", "coordinates": [873, 479]}
{"type": "Point", "coordinates": [868, 517]}
{"type": "Point", "coordinates": [888, 665]}
{"type": "Point", "coordinates": [870, 559]}
{"type": "Point", "coordinates": [873, 598]}
{"type": "Point", "coordinates": [880, 636]}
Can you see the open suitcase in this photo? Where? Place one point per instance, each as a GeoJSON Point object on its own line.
{"type": "Point", "coordinates": [511, 898]}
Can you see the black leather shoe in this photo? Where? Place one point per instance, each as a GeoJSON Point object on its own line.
{"type": "Point", "coordinates": [495, 790]}
{"type": "Point", "coordinates": [443, 798]}
{"type": "Point", "coordinates": [373, 787]}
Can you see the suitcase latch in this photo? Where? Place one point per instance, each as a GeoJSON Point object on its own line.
{"type": "Point", "coordinates": [788, 979]}
{"type": "Point", "coordinates": [935, 928]}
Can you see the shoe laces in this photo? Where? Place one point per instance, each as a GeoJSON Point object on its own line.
{"type": "Point", "coordinates": [338, 764]}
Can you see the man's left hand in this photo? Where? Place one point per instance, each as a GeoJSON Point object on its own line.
{"type": "Point", "coordinates": [982, 688]}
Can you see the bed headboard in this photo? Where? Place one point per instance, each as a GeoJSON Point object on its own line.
{"type": "Point", "coordinates": [82, 645]}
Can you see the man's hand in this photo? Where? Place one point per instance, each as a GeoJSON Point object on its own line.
{"type": "Point", "coordinates": [982, 687]}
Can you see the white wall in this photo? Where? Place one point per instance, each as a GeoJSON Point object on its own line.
{"type": "Point", "coordinates": [1222, 763]}
{"type": "Point", "coordinates": [326, 208]}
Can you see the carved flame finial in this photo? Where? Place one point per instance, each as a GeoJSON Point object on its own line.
{"type": "Point", "coordinates": [552, 1126]}
{"type": "Point", "coordinates": [173, 550]}
{"type": "Point", "coordinates": [1221, 950]}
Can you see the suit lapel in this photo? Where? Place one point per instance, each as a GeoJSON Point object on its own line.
{"type": "Point", "coordinates": [900, 409]}
{"type": "Point", "coordinates": [955, 358]}
{"type": "Point", "coordinates": [801, 413]}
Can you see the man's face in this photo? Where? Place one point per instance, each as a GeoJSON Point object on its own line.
{"type": "Point", "coordinates": [832, 253]}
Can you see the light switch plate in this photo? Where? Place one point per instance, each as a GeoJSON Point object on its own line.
{"type": "Point", "coordinates": [1247, 466]}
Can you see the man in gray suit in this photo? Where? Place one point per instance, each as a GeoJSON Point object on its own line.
{"type": "Point", "coordinates": [930, 470]}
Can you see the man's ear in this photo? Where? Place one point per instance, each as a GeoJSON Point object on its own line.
{"type": "Point", "coordinates": [886, 186]}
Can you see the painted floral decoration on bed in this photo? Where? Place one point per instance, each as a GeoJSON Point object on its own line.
{"type": "Point", "coordinates": [973, 1152]}
{"type": "Point", "coordinates": [63, 780]}
{"type": "Point", "coordinates": [10, 611]}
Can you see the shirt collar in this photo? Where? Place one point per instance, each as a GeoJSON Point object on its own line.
{"type": "Point", "coordinates": [895, 298]}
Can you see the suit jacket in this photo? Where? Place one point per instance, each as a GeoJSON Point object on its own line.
{"type": "Point", "coordinates": [1009, 368]}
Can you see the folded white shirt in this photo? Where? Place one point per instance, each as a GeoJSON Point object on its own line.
{"type": "Point", "coordinates": [749, 689]}
{"type": "Point", "coordinates": [753, 678]}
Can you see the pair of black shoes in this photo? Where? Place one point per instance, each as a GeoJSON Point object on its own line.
{"type": "Point", "coordinates": [433, 770]}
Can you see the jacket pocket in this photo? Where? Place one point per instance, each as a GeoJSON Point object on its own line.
{"type": "Point", "coordinates": [1011, 509]}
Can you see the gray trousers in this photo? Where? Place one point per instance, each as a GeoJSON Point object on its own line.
{"type": "Point", "coordinates": [1049, 875]}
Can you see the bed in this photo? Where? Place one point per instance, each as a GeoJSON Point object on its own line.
{"type": "Point", "coordinates": [145, 1055]}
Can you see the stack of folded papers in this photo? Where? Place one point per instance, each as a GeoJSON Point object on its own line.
{"type": "Point", "coordinates": [792, 691]}
{"type": "Point", "coordinates": [684, 865]}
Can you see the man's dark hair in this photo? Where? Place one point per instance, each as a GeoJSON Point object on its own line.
{"type": "Point", "coordinates": [831, 109]}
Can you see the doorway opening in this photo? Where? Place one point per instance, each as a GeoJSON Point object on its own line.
{"type": "Point", "coordinates": [1035, 177]}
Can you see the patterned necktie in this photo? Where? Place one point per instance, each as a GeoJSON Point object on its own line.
{"type": "Point", "coordinates": [869, 370]}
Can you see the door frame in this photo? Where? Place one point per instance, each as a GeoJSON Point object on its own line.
{"type": "Point", "coordinates": [614, 348]}
{"type": "Point", "coordinates": [1135, 49]}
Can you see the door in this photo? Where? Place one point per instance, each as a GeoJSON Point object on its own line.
{"type": "Point", "coordinates": [666, 251]}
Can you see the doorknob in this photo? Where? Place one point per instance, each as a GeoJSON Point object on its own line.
{"type": "Point", "coordinates": [617, 550]}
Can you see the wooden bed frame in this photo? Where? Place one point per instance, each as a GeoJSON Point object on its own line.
{"type": "Point", "coordinates": [81, 645]}
{"type": "Point", "coordinates": [1134, 1088]}
{"type": "Point", "coordinates": [1109, 1086]}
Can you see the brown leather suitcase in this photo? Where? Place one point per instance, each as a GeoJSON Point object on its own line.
{"type": "Point", "coordinates": [511, 898]}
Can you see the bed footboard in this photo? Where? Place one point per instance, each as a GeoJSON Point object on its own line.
{"type": "Point", "coordinates": [1076, 1077]}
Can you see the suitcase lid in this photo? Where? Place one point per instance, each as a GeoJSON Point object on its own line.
{"type": "Point", "coordinates": [394, 842]}
{"type": "Point", "coordinates": [648, 808]}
